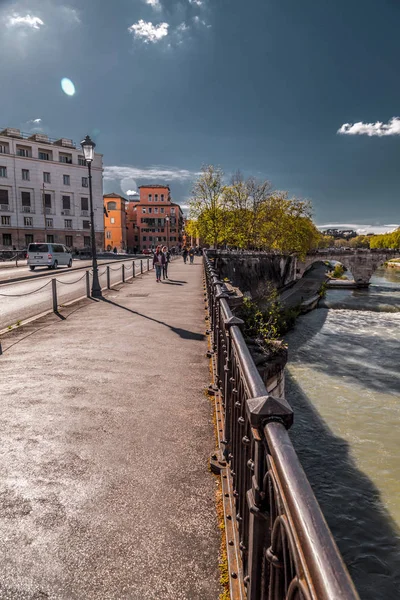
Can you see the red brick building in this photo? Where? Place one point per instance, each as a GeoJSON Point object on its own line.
{"type": "Point", "coordinates": [153, 219]}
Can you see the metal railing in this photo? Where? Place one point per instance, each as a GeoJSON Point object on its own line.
{"type": "Point", "coordinates": [286, 550]}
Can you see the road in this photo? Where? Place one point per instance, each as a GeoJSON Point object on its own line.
{"type": "Point", "coordinates": [11, 272]}
{"type": "Point", "coordinates": [26, 299]}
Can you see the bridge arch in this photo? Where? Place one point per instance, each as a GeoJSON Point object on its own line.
{"type": "Point", "coordinates": [361, 263]}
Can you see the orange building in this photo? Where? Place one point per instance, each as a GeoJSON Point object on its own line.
{"type": "Point", "coordinates": [158, 219]}
{"type": "Point", "coordinates": [115, 232]}
{"type": "Point", "coordinates": [132, 230]}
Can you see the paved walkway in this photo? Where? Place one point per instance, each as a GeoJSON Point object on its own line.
{"type": "Point", "coordinates": [106, 431]}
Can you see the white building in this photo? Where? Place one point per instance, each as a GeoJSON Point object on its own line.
{"type": "Point", "coordinates": [44, 193]}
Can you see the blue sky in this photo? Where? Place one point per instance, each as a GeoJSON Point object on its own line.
{"type": "Point", "coordinates": [263, 86]}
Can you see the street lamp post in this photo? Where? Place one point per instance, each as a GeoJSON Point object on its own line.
{"type": "Point", "coordinates": [88, 147]}
{"type": "Point", "coordinates": [167, 222]}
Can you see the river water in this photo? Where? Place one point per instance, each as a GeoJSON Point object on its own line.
{"type": "Point", "coordinates": [343, 382]}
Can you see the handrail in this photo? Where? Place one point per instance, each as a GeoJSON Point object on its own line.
{"type": "Point", "coordinates": [286, 547]}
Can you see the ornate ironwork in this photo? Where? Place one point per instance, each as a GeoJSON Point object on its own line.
{"type": "Point", "coordinates": [286, 548]}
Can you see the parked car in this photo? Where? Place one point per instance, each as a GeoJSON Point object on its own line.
{"type": "Point", "coordinates": [49, 255]}
{"type": "Point", "coordinates": [146, 251]}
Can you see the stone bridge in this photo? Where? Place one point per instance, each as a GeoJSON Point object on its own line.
{"type": "Point", "coordinates": [361, 262]}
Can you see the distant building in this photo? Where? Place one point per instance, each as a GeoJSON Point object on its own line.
{"type": "Point", "coordinates": [44, 193]}
{"type": "Point", "coordinates": [115, 222]}
{"type": "Point", "coordinates": [158, 220]}
{"type": "Point", "coordinates": [341, 233]}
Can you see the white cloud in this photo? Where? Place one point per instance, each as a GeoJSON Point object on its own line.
{"type": "Point", "coordinates": [149, 32]}
{"type": "Point", "coordinates": [132, 193]}
{"type": "Point", "coordinates": [156, 4]}
{"type": "Point", "coordinates": [16, 20]}
{"type": "Point", "coordinates": [182, 27]}
{"type": "Point", "coordinates": [196, 2]}
{"type": "Point", "coordinates": [35, 121]}
{"type": "Point", "coordinates": [372, 129]}
{"type": "Point", "coordinates": [154, 172]}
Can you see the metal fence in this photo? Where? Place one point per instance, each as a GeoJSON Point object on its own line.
{"type": "Point", "coordinates": [286, 550]}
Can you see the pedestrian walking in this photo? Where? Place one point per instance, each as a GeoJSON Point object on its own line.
{"type": "Point", "coordinates": [185, 254]}
{"type": "Point", "coordinates": [158, 262]}
{"type": "Point", "coordinates": [167, 256]}
{"type": "Point", "coordinates": [191, 255]}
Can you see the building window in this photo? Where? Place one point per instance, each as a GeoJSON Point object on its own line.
{"type": "Point", "coordinates": [25, 174]}
{"type": "Point", "coordinates": [66, 179]}
{"type": "Point", "coordinates": [108, 235]}
{"type": "Point", "coordinates": [7, 240]}
{"type": "Point", "coordinates": [28, 239]}
{"type": "Point", "coordinates": [44, 155]}
{"type": "Point", "coordinates": [112, 220]}
{"type": "Point", "coordinates": [66, 158]}
{"type": "Point", "coordinates": [3, 149]}
{"type": "Point", "coordinates": [3, 196]}
{"type": "Point", "coordinates": [172, 210]}
{"type": "Point", "coordinates": [86, 224]}
{"type": "Point", "coordinates": [6, 220]}
{"type": "Point", "coordinates": [156, 209]}
{"type": "Point", "coordinates": [85, 182]}
{"type": "Point", "coordinates": [86, 240]}
{"type": "Point", "coordinates": [162, 209]}
{"type": "Point", "coordinates": [111, 206]}
{"type": "Point", "coordinates": [26, 201]}
{"type": "Point", "coordinates": [68, 223]}
{"type": "Point", "coordinates": [47, 202]}
{"type": "Point", "coordinates": [24, 151]}
{"type": "Point", "coordinates": [150, 209]}
{"type": "Point", "coordinates": [3, 171]}
{"type": "Point", "coordinates": [28, 222]}
{"type": "Point", "coordinates": [66, 202]}
{"type": "Point", "coordinates": [49, 223]}
{"type": "Point", "coordinates": [143, 211]}
{"type": "Point", "coordinates": [81, 161]}
{"type": "Point", "coordinates": [69, 241]}
{"type": "Point", "coordinates": [46, 178]}
{"type": "Point", "coordinates": [50, 238]}
{"type": "Point", "coordinates": [150, 197]}
{"type": "Point", "coordinates": [84, 204]}
{"type": "Point", "coordinates": [156, 198]}
{"type": "Point", "coordinates": [162, 197]}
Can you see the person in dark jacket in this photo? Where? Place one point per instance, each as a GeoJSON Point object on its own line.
{"type": "Point", "coordinates": [167, 255]}
{"type": "Point", "coordinates": [158, 262]}
{"type": "Point", "coordinates": [185, 254]}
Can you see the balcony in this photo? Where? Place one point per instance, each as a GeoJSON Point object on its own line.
{"type": "Point", "coordinates": [5, 207]}
{"type": "Point", "coordinates": [48, 210]}
{"type": "Point", "coordinates": [66, 212]}
{"type": "Point", "coordinates": [27, 209]}
{"type": "Point", "coordinates": [84, 213]}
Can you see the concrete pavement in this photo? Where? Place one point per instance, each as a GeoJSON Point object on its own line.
{"type": "Point", "coordinates": [106, 431]}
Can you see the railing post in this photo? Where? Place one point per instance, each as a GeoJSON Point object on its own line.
{"type": "Point", "coordinates": [123, 273]}
{"type": "Point", "coordinates": [108, 278]}
{"type": "Point", "coordinates": [54, 294]}
{"type": "Point", "coordinates": [133, 269]}
{"type": "Point", "coordinates": [88, 284]}
{"type": "Point", "coordinates": [141, 266]}
{"type": "Point", "coordinates": [259, 411]}
{"type": "Point", "coordinates": [148, 264]}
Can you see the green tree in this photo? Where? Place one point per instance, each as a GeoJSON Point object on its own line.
{"type": "Point", "coordinates": [207, 204]}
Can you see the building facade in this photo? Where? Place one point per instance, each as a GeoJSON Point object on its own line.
{"type": "Point", "coordinates": [115, 222]}
{"type": "Point", "coordinates": [44, 192]}
{"type": "Point", "coordinates": [158, 219]}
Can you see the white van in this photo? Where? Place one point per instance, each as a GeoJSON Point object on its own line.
{"type": "Point", "coordinates": [49, 255]}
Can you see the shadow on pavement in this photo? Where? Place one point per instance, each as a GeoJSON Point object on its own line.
{"type": "Point", "coordinates": [366, 534]}
{"type": "Point", "coordinates": [183, 333]}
